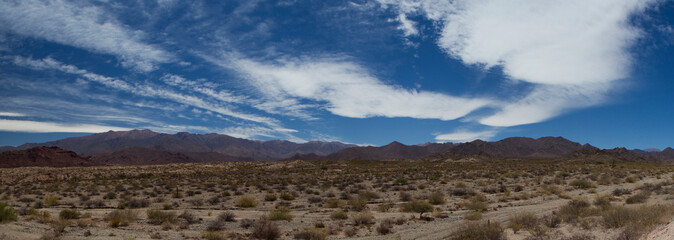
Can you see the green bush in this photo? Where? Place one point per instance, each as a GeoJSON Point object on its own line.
{"type": "Point", "coordinates": [644, 216]}
{"type": "Point", "coordinates": [280, 214]}
{"type": "Point", "coordinates": [157, 217]}
{"type": "Point", "coordinates": [270, 197]}
{"type": "Point", "coordinates": [246, 202]}
{"type": "Point", "coordinates": [7, 213]}
{"type": "Point", "coordinates": [51, 201]}
{"type": "Point", "coordinates": [363, 219]}
{"type": "Point", "coordinates": [265, 229]}
{"type": "Point", "coordinates": [69, 214]}
{"type": "Point", "coordinates": [400, 181]}
{"type": "Point", "coordinates": [480, 231]}
{"type": "Point", "coordinates": [640, 197]}
{"type": "Point", "coordinates": [417, 206]}
{"type": "Point", "coordinates": [525, 220]}
{"type": "Point", "coordinates": [339, 215]}
{"type": "Point", "coordinates": [358, 204]}
{"type": "Point", "coordinates": [581, 184]}
{"type": "Point", "coordinates": [476, 203]}
{"type": "Point", "coordinates": [122, 218]}
{"type": "Point", "coordinates": [436, 199]}
{"type": "Point", "coordinates": [287, 196]}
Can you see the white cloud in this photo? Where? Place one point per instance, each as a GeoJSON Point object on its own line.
{"type": "Point", "coordinates": [349, 90]}
{"type": "Point", "coordinates": [83, 26]}
{"type": "Point", "coordinates": [574, 52]}
{"type": "Point", "coordinates": [408, 27]}
{"type": "Point", "coordinates": [11, 114]}
{"type": "Point", "coordinates": [45, 127]}
{"type": "Point", "coordinates": [203, 87]}
{"type": "Point", "coordinates": [143, 90]}
{"type": "Point", "coordinates": [465, 136]}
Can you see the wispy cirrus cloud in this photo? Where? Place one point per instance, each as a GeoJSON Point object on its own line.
{"type": "Point", "coordinates": [44, 127]}
{"type": "Point", "coordinates": [11, 114]}
{"type": "Point", "coordinates": [573, 52]}
{"type": "Point", "coordinates": [347, 89]}
{"type": "Point", "coordinates": [83, 26]}
{"type": "Point", "coordinates": [142, 89]}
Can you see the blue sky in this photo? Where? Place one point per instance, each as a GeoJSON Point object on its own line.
{"type": "Point", "coordinates": [364, 72]}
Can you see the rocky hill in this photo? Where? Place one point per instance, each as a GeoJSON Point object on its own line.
{"type": "Point", "coordinates": [43, 157]}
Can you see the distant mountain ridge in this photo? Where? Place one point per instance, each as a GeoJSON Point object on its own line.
{"type": "Point", "coordinates": [393, 150]}
{"type": "Point", "coordinates": [518, 147]}
{"type": "Point", "coordinates": [144, 147]}
{"type": "Point", "coordinates": [100, 143]}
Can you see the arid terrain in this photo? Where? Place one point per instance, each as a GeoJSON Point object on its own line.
{"type": "Point", "coordinates": [435, 198]}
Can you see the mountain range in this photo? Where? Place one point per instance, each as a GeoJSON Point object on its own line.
{"type": "Point", "coordinates": [145, 147]}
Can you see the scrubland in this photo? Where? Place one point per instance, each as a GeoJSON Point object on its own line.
{"type": "Point", "coordinates": [402, 199]}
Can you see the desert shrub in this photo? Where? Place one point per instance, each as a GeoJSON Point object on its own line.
{"type": "Point", "coordinates": [215, 225]}
{"type": "Point", "coordinates": [280, 214]}
{"type": "Point", "coordinates": [400, 181]}
{"type": "Point", "coordinates": [574, 209]}
{"type": "Point", "coordinates": [94, 204]}
{"type": "Point", "coordinates": [551, 221]}
{"type": "Point", "coordinates": [60, 226]}
{"type": "Point", "coordinates": [362, 219]}
{"type": "Point", "coordinates": [459, 192]}
{"type": "Point", "coordinates": [246, 202]}
{"type": "Point", "coordinates": [385, 227]}
{"type": "Point", "coordinates": [476, 203]}
{"type": "Point", "coordinates": [603, 201]}
{"type": "Point", "coordinates": [339, 215]}
{"type": "Point", "coordinates": [358, 204]}
{"type": "Point", "coordinates": [368, 195]}
{"type": "Point", "coordinates": [69, 214]}
{"type": "Point", "coordinates": [417, 206]}
{"type": "Point", "coordinates": [631, 179]}
{"type": "Point", "coordinates": [157, 217]}
{"type": "Point", "coordinates": [39, 216]}
{"type": "Point", "coordinates": [526, 220]}
{"type": "Point", "coordinates": [287, 196]}
{"type": "Point", "coordinates": [473, 216]}
{"type": "Point", "coordinates": [214, 235]}
{"type": "Point", "coordinates": [580, 236]}
{"type": "Point", "coordinates": [436, 198]}
{"type": "Point", "coordinates": [7, 213]}
{"type": "Point", "coordinates": [644, 216]}
{"type": "Point", "coordinates": [315, 199]}
{"type": "Point", "coordinates": [119, 218]}
{"type": "Point", "coordinates": [226, 216]}
{"type": "Point", "coordinates": [110, 195]}
{"type": "Point", "coordinates": [265, 229]}
{"type": "Point", "coordinates": [311, 234]}
{"type": "Point", "coordinates": [270, 197]}
{"type": "Point", "coordinates": [350, 232]}
{"type": "Point", "coordinates": [246, 223]}
{"type": "Point", "coordinates": [480, 231]}
{"type": "Point", "coordinates": [188, 217]}
{"type": "Point", "coordinates": [621, 191]}
{"type": "Point", "coordinates": [51, 201]}
{"type": "Point", "coordinates": [137, 203]}
{"type": "Point", "coordinates": [581, 184]}
{"type": "Point", "coordinates": [405, 197]}
{"type": "Point", "coordinates": [640, 197]}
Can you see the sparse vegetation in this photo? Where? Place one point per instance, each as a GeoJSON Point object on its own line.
{"type": "Point", "coordinates": [347, 199]}
{"type": "Point", "coordinates": [246, 202]}
{"type": "Point", "coordinates": [484, 230]}
{"type": "Point", "coordinates": [6, 213]}
{"type": "Point", "coordinates": [158, 217]}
